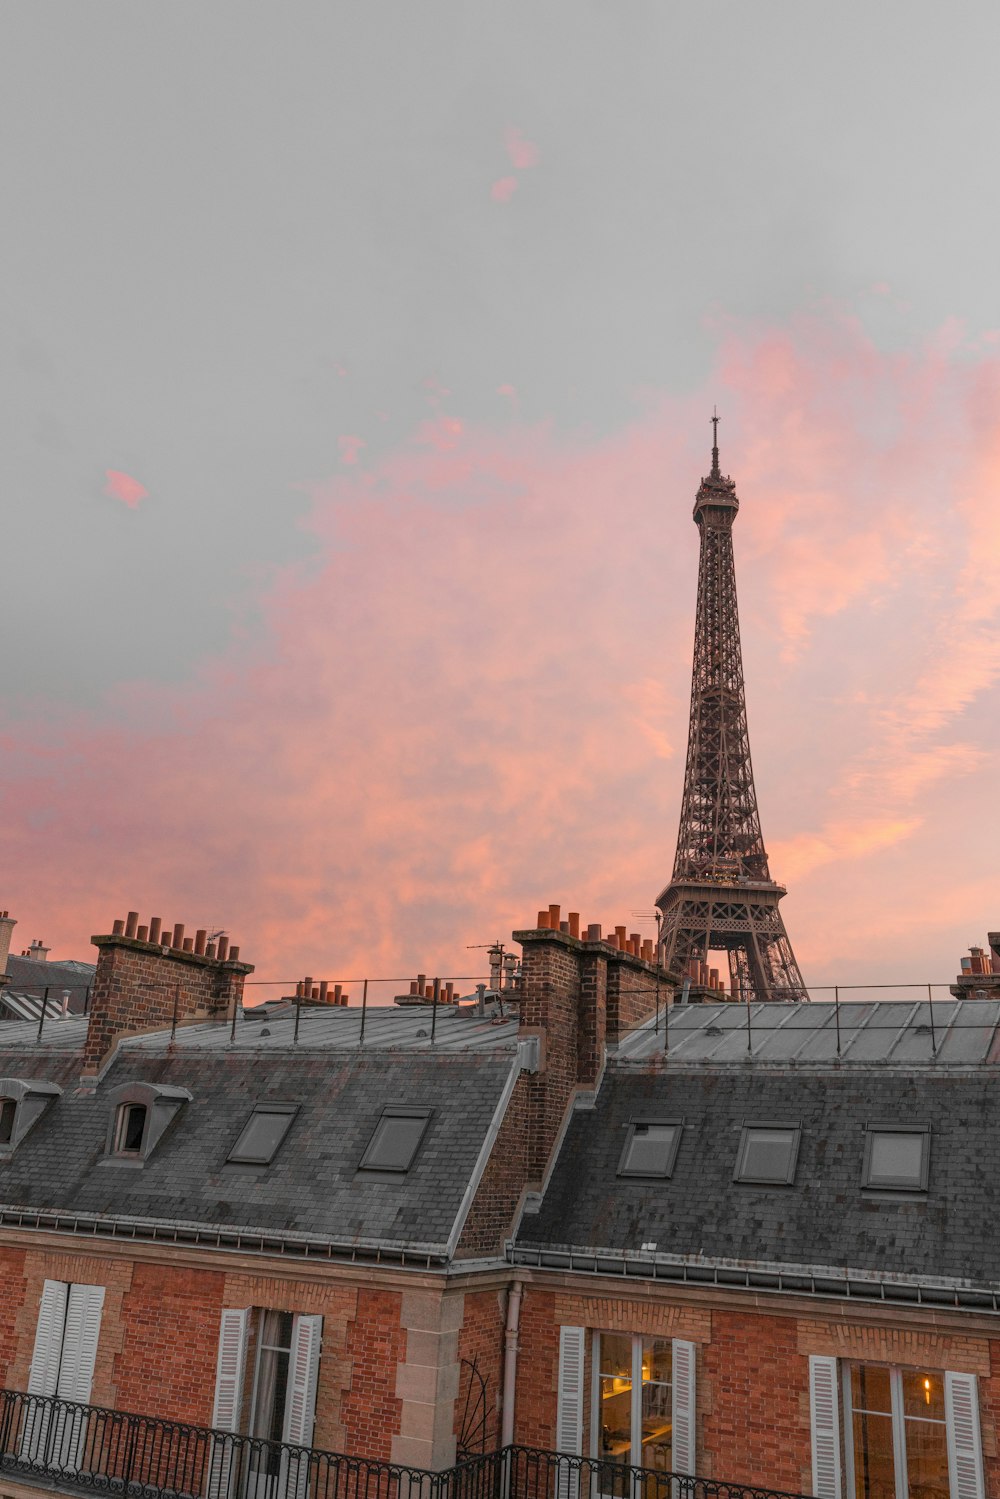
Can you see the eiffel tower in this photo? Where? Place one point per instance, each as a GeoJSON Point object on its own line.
{"type": "Point", "coordinates": [721, 896]}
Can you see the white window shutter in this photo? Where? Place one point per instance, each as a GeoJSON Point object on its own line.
{"type": "Point", "coordinates": [965, 1452]}
{"type": "Point", "coordinates": [825, 1407]}
{"type": "Point", "coordinates": [83, 1328]}
{"type": "Point", "coordinates": [84, 1306]}
{"type": "Point", "coordinates": [569, 1407]}
{"type": "Point", "coordinates": [44, 1376]}
{"type": "Point", "coordinates": [683, 1448]}
{"type": "Point", "coordinates": [303, 1372]}
{"type": "Point", "coordinates": [223, 1461]}
{"type": "Point", "coordinates": [300, 1411]}
{"type": "Point", "coordinates": [229, 1368]}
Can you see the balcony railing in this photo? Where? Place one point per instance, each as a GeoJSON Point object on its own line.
{"type": "Point", "coordinates": [86, 1447]}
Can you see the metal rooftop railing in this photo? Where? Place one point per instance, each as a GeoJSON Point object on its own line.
{"type": "Point", "coordinates": [903, 1032]}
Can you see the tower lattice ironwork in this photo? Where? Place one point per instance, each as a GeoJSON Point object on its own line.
{"type": "Point", "coordinates": [721, 896]}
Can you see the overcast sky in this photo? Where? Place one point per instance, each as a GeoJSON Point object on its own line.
{"type": "Point", "coordinates": [357, 363]}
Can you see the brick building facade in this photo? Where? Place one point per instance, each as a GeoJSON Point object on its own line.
{"type": "Point", "coordinates": [600, 1222]}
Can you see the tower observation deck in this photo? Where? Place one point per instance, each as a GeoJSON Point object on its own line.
{"type": "Point", "coordinates": [721, 896]}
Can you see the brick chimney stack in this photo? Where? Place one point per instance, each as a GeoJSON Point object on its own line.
{"type": "Point", "coordinates": [148, 975]}
{"type": "Point", "coordinates": [575, 993]}
{"type": "Point", "coordinates": [7, 925]}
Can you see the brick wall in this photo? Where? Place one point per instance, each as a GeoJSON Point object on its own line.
{"type": "Point", "coordinates": [137, 986]}
{"type": "Point", "coordinates": [754, 1421]}
{"type": "Point", "coordinates": [537, 1370]}
{"type": "Point", "coordinates": [81, 1269]}
{"type": "Point", "coordinates": [375, 1346]}
{"type": "Point", "coordinates": [164, 1311]}
{"type": "Point", "coordinates": [337, 1304]}
{"type": "Point", "coordinates": [752, 1373]}
{"type": "Point", "coordinates": [481, 1353]}
{"type": "Point", "coordinates": [13, 1286]}
{"type": "Point", "coordinates": [491, 1217]}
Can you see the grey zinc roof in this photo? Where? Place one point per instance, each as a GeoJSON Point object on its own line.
{"type": "Point", "coordinates": [58, 1034]}
{"type": "Point", "coordinates": [312, 1188]}
{"type": "Point", "coordinates": [339, 1029]}
{"type": "Point", "coordinates": [824, 1218]}
{"type": "Point", "coordinates": [944, 1033]}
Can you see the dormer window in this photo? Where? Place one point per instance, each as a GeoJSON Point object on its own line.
{"type": "Point", "coordinates": [142, 1112]}
{"type": "Point", "coordinates": [131, 1128]}
{"type": "Point", "coordinates": [23, 1101]}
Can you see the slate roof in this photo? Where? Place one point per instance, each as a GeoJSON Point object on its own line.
{"type": "Point", "coordinates": [311, 1189]}
{"type": "Point", "coordinates": [824, 1219]}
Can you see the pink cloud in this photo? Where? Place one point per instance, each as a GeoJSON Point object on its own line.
{"type": "Point", "coordinates": [503, 189]}
{"type": "Point", "coordinates": [523, 153]}
{"type": "Point", "coordinates": [121, 486]}
{"type": "Point", "coordinates": [350, 448]}
{"type": "Point", "coordinates": [474, 701]}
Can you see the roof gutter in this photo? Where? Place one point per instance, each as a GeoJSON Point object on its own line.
{"type": "Point", "coordinates": [227, 1237]}
{"type": "Point", "coordinates": [823, 1282]}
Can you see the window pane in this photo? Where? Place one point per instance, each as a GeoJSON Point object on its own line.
{"type": "Point", "coordinates": [394, 1143]}
{"type": "Point", "coordinates": [896, 1157]}
{"type": "Point", "coordinates": [870, 1388]}
{"type": "Point", "coordinates": [616, 1356]}
{"type": "Point", "coordinates": [923, 1394]}
{"type": "Point", "coordinates": [767, 1155]}
{"type": "Point", "coordinates": [261, 1137]}
{"type": "Point", "coordinates": [131, 1123]}
{"type": "Point", "coordinates": [650, 1149]}
{"type": "Point", "coordinates": [656, 1403]}
{"type": "Point", "coordinates": [927, 1459]}
{"type": "Point", "coordinates": [7, 1113]}
{"type": "Point", "coordinates": [874, 1469]}
{"type": "Point", "coordinates": [615, 1362]}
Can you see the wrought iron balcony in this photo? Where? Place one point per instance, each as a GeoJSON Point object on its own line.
{"type": "Point", "coordinates": [59, 1443]}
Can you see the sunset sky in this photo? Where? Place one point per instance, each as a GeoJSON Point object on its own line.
{"type": "Point", "coordinates": [357, 366]}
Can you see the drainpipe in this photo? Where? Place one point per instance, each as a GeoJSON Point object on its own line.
{"type": "Point", "coordinates": [510, 1363]}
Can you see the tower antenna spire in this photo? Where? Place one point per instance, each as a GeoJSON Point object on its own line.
{"type": "Point", "coordinates": [715, 443]}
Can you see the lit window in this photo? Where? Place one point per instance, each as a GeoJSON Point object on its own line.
{"type": "Point", "coordinates": [650, 1148]}
{"type": "Point", "coordinates": [396, 1140]}
{"type": "Point", "coordinates": [896, 1430]}
{"type": "Point", "coordinates": [632, 1415]}
{"type": "Point", "coordinates": [8, 1113]}
{"type": "Point", "coordinates": [767, 1153]}
{"type": "Point", "coordinates": [897, 1157]}
{"type": "Point", "coordinates": [263, 1133]}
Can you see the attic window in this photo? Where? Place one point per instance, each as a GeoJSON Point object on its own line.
{"type": "Point", "coordinates": [130, 1128]}
{"type": "Point", "coordinates": [141, 1114]}
{"type": "Point", "coordinates": [650, 1148]}
{"type": "Point", "coordinates": [396, 1140]}
{"type": "Point", "coordinates": [897, 1157]}
{"type": "Point", "coordinates": [767, 1154]}
{"type": "Point", "coordinates": [263, 1133]}
{"type": "Point", "coordinates": [22, 1104]}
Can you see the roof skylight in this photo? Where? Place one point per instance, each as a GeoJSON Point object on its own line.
{"type": "Point", "coordinates": [897, 1157]}
{"type": "Point", "coordinates": [767, 1153]}
{"type": "Point", "coordinates": [396, 1140]}
{"type": "Point", "coordinates": [263, 1133]}
{"type": "Point", "coordinates": [650, 1148]}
